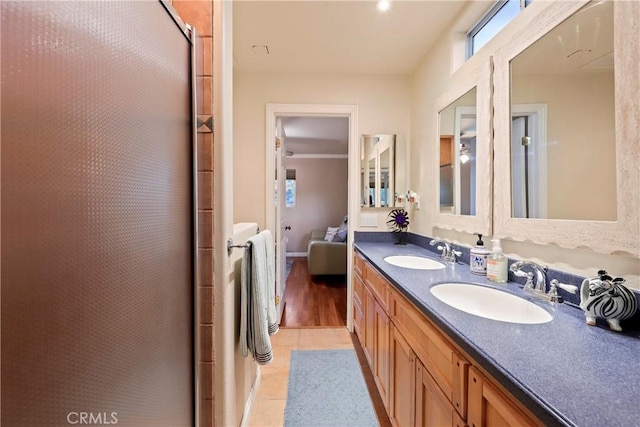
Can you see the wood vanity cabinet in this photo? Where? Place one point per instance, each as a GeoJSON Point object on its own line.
{"type": "Point", "coordinates": [377, 325]}
{"type": "Point", "coordinates": [369, 326]}
{"type": "Point", "coordinates": [371, 321]}
{"type": "Point", "coordinates": [358, 299]}
{"type": "Point", "coordinates": [381, 353]}
{"type": "Point", "coordinates": [437, 390]}
{"type": "Point", "coordinates": [447, 367]}
{"type": "Point", "coordinates": [415, 397]}
{"type": "Point", "coordinates": [402, 380]}
{"type": "Point", "coordinates": [490, 407]}
{"type": "Point", "coordinates": [432, 406]}
{"type": "Point", "coordinates": [423, 379]}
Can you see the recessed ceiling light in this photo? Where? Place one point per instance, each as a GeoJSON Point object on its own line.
{"type": "Point", "coordinates": [383, 5]}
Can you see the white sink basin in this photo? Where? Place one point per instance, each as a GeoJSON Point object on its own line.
{"type": "Point", "coordinates": [415, 262]}
{"type": "Point", "coordinates": [490, 303]}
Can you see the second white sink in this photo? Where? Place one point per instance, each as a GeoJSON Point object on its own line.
{"type": "Point", "coordinates": [414, 262]}
{"type": "Point", "coordinates": [490, 303]}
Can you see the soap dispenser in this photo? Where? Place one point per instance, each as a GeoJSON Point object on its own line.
{"type": "Point", "coordinates": [497, 264]}
{"type": "Point", "coordinates": [478, 259]}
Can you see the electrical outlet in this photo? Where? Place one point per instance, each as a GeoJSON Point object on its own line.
{"type": "Point", "coordinates": [368, 220]}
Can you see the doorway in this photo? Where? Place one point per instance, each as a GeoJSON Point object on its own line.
{"type": "Point", "coordinates": [276, 160]}
{"type": "Point", "coordinates": [529, 160]}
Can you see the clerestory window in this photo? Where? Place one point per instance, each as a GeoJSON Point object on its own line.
{"type": "Point", "coordinates": [492, 22]}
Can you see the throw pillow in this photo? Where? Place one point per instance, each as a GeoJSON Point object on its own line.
{"type": "Point", "coordinates": [341, 235]}
{"type": "Point", "coordinates": [331, 232]}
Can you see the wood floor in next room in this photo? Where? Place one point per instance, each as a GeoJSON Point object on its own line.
{"type": "Point", "coordinates": [317, 301]}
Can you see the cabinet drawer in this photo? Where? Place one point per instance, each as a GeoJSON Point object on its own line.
{"type": "Point", "coordinates": [378, 285]}
{"type": "Point", "coordinates": [447, 368]}
{"type": "Point", "coordinates": [358, 264]}
{"type": "Point", "coordinates": [358, 290]}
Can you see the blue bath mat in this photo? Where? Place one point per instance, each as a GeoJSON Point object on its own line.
{"type": "Point", "coordinates": [327, 388]}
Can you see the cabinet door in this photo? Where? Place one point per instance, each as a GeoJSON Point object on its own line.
{"type": "Point", "coordinates": [381, 353]}
{"type": "Point", "coordinates": [369, 327]}
{"type": "Point", "coordinates": [446, 150]}
{"type": "Point", "coordinates": [489, 407]}
{"type": "Point", "coordinates": [358, 308]}
{"type": "Point", "coordinates": [460, 384]}
{"type": "Point", "coordinates": [428, 344]}
{"type": "Point", "coordinates": [402, 380]}
{"type": "Point", "coordinates": [433, 409]}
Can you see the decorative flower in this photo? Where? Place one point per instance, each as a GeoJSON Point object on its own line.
{"type": "Point", "coordinates": [398, 220]}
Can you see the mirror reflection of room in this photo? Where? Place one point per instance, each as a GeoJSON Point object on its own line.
{"type": "Point", "coordinates": [457, 124]}
{"type": "Point", "coordinates": [563, 154]}
{"type": "Point", "coordinates": [379, 166]}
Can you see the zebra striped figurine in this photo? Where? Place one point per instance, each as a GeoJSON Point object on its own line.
{"type": "Point", "coordinates": [608, 299]}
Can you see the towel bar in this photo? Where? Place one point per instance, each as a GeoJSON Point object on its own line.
{"type": "Point", "coordinates": [230, 244]}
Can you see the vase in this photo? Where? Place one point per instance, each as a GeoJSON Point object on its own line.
{"type": "Point", "coordinates": [402, 238]}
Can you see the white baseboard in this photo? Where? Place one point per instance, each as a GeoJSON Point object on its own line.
{"type": "Point", "coordinates": [297, 254]}
{"type": "Point", "coordinates": [249, 404]}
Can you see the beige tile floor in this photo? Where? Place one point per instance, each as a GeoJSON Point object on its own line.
{"type": "Point", "coordinates": [271, 396]}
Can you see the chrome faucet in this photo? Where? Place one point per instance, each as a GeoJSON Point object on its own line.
{"type": "Point", "coordinates": [448, 253]}
{"type": "Point", "coordinates": [540, 289]}
{"type": "Point", "coordinates": [539, 270]}
{"type": "Point", "coordinates": [446, 249]}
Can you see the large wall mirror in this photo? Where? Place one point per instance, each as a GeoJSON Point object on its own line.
{"type": "Point", "coordinates": [381, 164]}
{"type": "Point", "coordinates": [462, 129]}
{"type": "Point", "coordinates": [457, 124]}
{"type": "Point", "coordinates": [566, 163]}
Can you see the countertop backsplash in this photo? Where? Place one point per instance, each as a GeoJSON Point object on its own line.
{"type": "Point", "coordinates": [630, 326]}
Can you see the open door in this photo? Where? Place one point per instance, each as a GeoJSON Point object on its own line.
{"type": "Point", "coordinates": [280, 200]}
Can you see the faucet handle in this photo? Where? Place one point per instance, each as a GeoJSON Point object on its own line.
{"type": "Point", "coordinates": [515, 269]}
{"type": "Point", "coordinates": [569, 288]}
{"type": "Point", "coordinates": [553, 292]}
{"type": "Point", "coordinates": [441, 247]}
{"type": "Point", "coordinates": [529, 284]}
{"type": "Point", "coordinates": [444, 253]}
{"type": "Point", "coordinates": [454, 255]}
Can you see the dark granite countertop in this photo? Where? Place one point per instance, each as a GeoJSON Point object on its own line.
{"type": "Point", "coordinates": [564, 371]}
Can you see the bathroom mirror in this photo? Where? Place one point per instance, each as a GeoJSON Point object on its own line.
{"type": "Point", "coordinates": [457, 124]}
{"type": "Point", "coordinates": [566, 144]}
{"type": "Point", "coordinates": [563, 113]}
{"type": "Point", "coordinates": [462, 135]}
{"type": "Point", "coordinates": [371, 188]}
{"type": "Point", "coordinates": [386, 168]}
{"type": "Point", "coordinates": [379, 160]}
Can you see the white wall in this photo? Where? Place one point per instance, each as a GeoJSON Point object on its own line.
{"type": "Point", "coordinates": [383, 107]}
{"type": "Point", "coordinates": [581, 131]}
{"type": "Point", "coordinates": [321, 198]}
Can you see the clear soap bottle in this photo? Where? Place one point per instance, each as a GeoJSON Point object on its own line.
{"type": "Point", "coordinates": [497, 264]}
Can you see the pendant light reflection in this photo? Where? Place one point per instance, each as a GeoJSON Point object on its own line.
{"type": "Point", "coordinates": [464, 154]}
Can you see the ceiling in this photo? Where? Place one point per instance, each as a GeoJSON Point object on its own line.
{"type": "Point", "coordinates": [582, 43]}
{"type": "Point", "coordinates": [337, 36]}
{"type": "Point", "coordinates": [303, 36]}
{"type": "Point", "coordinates": [316, 135]}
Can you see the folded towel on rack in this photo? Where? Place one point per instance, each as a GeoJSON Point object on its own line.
{"type": "Point", "coordinates": [258, 313]}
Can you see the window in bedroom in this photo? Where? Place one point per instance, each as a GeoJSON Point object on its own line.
{"type": "Point", "coordinates": [290, 185]}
